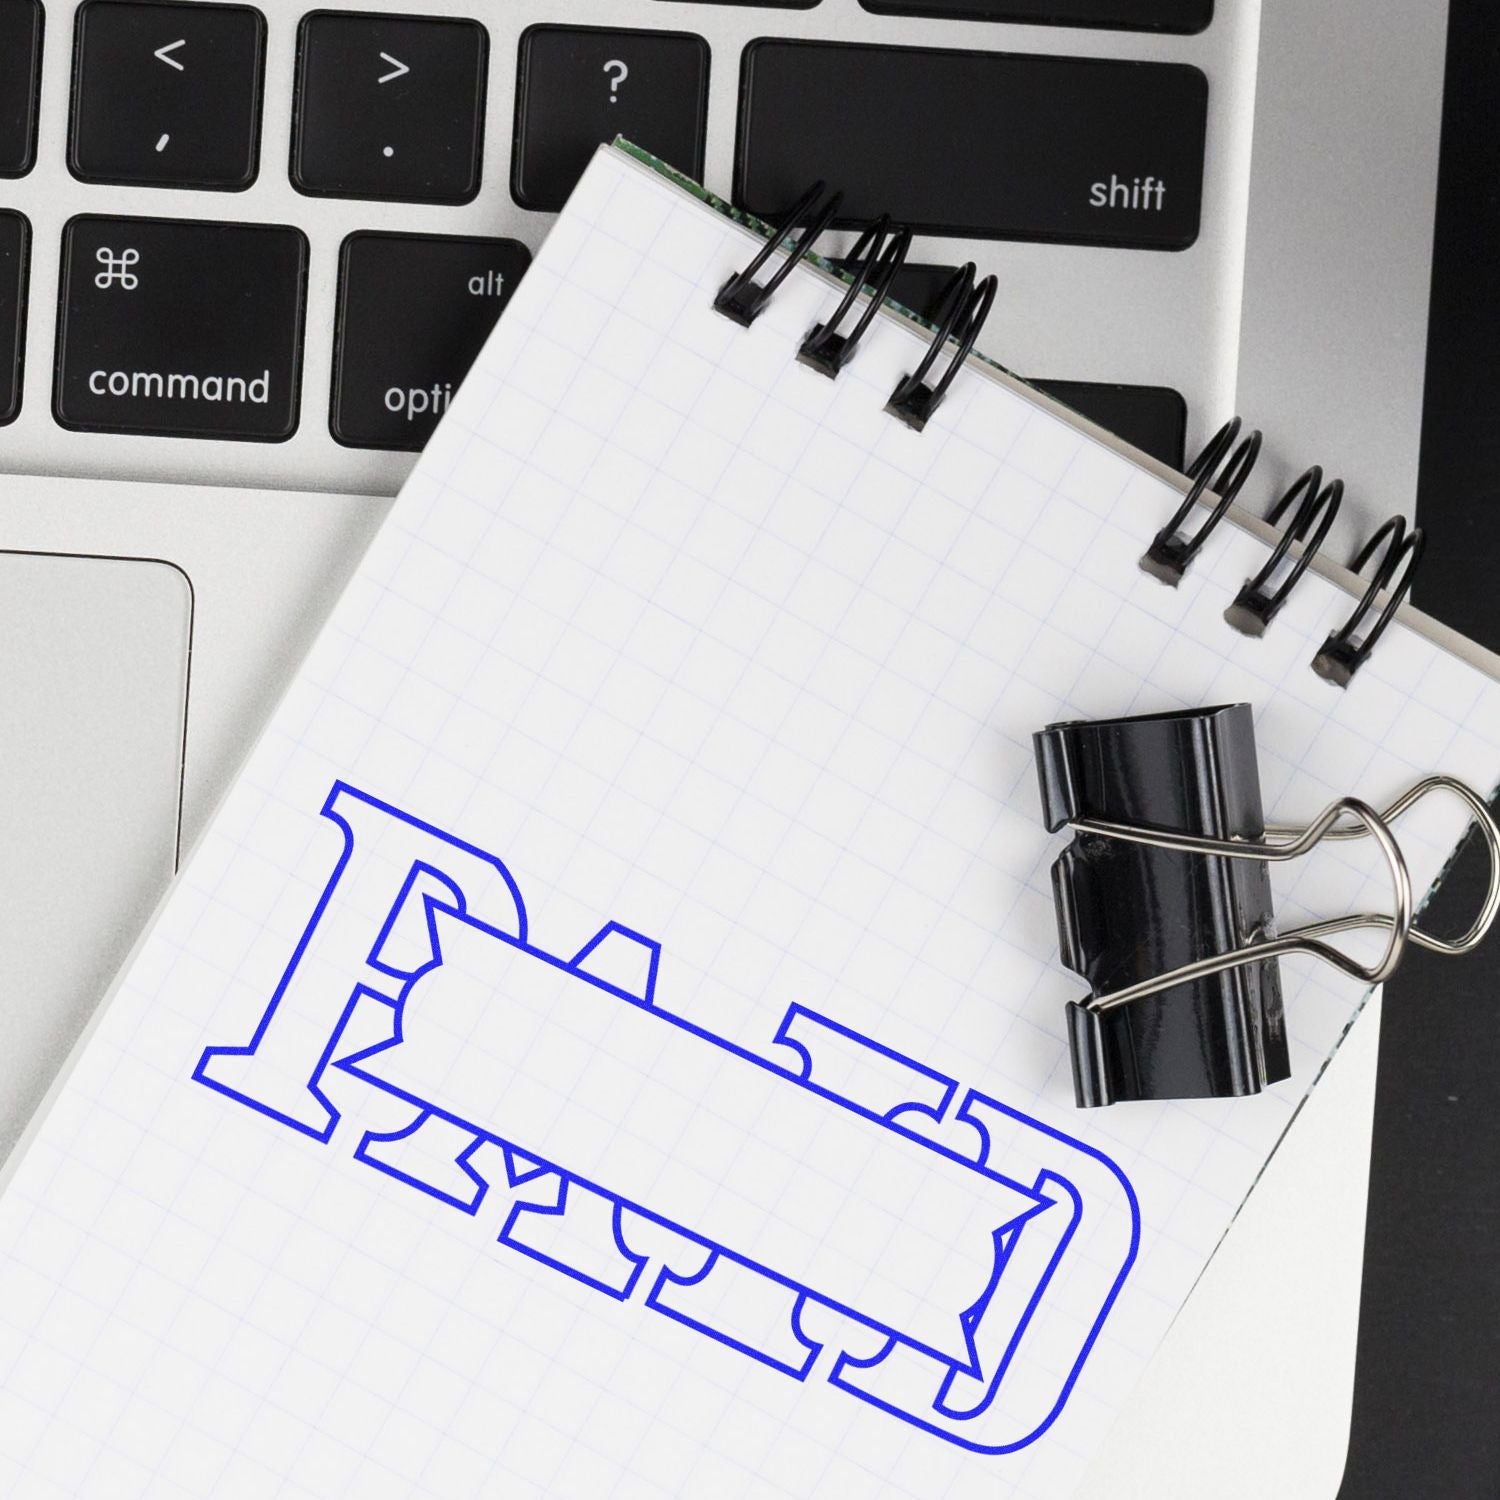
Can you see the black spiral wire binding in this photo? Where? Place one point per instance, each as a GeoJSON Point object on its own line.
{"type": "Point", "coordinates": [962, 310]}
{"type": "Point", "coordinates": [1171, 552]}
{"type": "Point", "coordinates": [741, 297]}
{"type": "Point", "coordinates": [1257, 604]}
{"type": "Point", "coordinates": [1221, 473]}
{"type": "Point", "coordinates": [1345, 650]}
{"type": "Point", "coordinates": [878, 254]}
{"type": "Point", "coordinates": [1221, 469]}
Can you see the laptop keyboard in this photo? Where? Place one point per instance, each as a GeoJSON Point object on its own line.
{"type": "Point", "coordinates": [206, 327]}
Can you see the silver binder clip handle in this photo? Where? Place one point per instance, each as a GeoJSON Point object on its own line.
{"type": "Point", "coordinates": [1361, 821]}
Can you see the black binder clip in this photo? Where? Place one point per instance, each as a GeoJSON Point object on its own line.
{"type": "Point", "coordinates": [1164, 901]}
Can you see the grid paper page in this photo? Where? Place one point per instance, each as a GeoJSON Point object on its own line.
{"type": "Point", "coordinates": [610, 1041]}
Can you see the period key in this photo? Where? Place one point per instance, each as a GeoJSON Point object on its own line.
{"type": "Point", "coordinates": [413, 312]}
{"type": "Point", "coordinates": [180, 328]}
{"type": "Point", "coordinates": [389, 107]}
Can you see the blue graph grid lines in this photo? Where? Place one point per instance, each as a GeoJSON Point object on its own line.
{"type": "Point", "coordinates": [931, 1265]}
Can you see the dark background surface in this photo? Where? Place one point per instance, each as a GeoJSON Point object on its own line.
{"type": "Point", "coordinates": [1427, 1381]}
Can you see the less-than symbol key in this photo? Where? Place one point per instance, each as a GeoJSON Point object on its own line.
{"type": "Point", "coordinates": [167, 95]}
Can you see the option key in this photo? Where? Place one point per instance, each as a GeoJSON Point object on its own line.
{"type": "Point", "coordinates": [414, 310]}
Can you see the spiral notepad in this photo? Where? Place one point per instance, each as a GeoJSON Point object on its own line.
{"type": "Point", "coordinates": [610, 1040]}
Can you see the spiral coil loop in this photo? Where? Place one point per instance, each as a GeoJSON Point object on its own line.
{"type": "Point", "coordinates": [1171, 552]}
{"type": "Point", "coordinates": [1221, 469]}
{"type": "Point", "coordinates": [1257, 604]}
{"type": "Point", "coordinates": [878, 255]}
{"type": "Point", "coordinates": [742, 297]}
{"type": "Point", "coordinates": [1218, 471]}
{"type": "Point", "coordinates": [1345, 651]}
{"type": "Point", "coordinates": [962, 311]}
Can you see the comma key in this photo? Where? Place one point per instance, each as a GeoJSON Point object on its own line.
{"type": "Point", "coordinates": [414, 310]}
{"type": "Point", "coordinates": [180, 328]}
{"type": "Point", "coordinates": [167, 95]}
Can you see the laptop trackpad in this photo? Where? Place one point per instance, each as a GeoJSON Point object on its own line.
{"type": "Point", "coordinates": [93, 702]}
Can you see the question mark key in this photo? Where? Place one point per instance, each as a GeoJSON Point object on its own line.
{"type": "Point", "coordinates": [581, 86]}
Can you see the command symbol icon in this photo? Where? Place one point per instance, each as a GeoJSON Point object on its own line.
{"type": "Point", "coordinates": [117, 268]}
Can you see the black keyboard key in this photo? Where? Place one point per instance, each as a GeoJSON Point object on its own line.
{"type": "Point", "coordinates": [581, 85]}
{"type": "Point", "coordinates": [180, 328]}
{"type": "Point", "coordinates": [917, 286]}
{"type": "Point", "coordinates": [389, 107]}
{"type": "Point", "coordinates": [20, 77]}
{"type": "Point", "coordinates": [414, 310]}
{"type": "Point", "coordinates": [1152, 418]}
{"type": "Point", "coordinates": [1124, 15]}
{"type": "Point", "coordinates": [990, 144]}
{"type": "Point", "coordinates": [15, 239]}
{"type": "Point", "coordinates": [167, 95]}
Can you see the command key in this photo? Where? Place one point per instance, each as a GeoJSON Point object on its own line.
{"type": "Point", "coordinates": [180, 328]}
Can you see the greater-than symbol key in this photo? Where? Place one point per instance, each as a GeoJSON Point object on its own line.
{"type": "Point", "coordinates": [356, 135]}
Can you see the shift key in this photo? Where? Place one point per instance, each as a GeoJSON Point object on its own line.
{"type": "Point", "coordinates": [180, 328]}
{"type": "Point", "coordinates": [1090, 151]}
